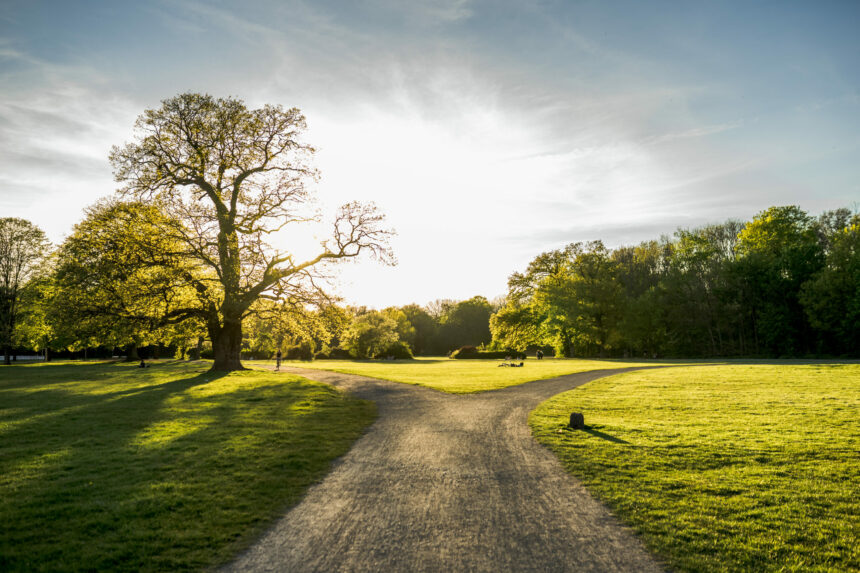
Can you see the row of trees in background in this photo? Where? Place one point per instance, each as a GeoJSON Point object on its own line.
{"type": "Point", "coordinates": [100, 290]}
{"type": "Point", "coordinates": [783, 284]}
{"type": "Point", "coordinates": [358, 332]}
{"type": "Point", "coordinates": [181, 258]}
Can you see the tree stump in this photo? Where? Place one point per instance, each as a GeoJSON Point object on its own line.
{"type": "Point", "coordinates": [577, 421]}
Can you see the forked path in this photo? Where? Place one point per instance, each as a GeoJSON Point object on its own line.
{"type": "Point", "coordinates": [444, 482]}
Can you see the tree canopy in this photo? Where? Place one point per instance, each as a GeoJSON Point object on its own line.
{"type": "Point", "coordinates": [783, 284]}
{"type": "Point", "coordinates": [226, 178]}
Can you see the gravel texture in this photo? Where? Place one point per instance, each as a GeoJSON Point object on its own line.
{"type": "Point", "coordinates": [444, 482]}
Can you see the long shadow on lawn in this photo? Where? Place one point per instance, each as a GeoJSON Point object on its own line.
{"type": "Point", "coordinates": [20, 404]}
{"type": "Point", "coordinates": [146, 478]}
{"type": "Point", "coordinates": [604, 436]}
{"type": "Point", "coordinates": [62, 451]}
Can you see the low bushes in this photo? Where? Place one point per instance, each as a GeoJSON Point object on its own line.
{"type": "Point", "coordinates": [399, 351]}
{"type": "Point", "coordinates": [301, 351]}
{"type": "Point", "coordinates": [339, 354]}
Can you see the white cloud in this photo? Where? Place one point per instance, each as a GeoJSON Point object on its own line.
{"type": "Point", "coordinates": [59, 123]}
{"type": "Point", "coordinates": [482, 156]}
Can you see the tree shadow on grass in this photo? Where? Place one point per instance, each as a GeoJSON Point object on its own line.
{"type": "Point", "coordinates": [99, 493]}
{"type": "Point", "coordinates": [603, 436]}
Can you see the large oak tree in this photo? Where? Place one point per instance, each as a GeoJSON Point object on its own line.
{"type": "Point", "coordinates": [229, 177]}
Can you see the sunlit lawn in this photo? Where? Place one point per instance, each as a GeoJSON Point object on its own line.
{"type": "Point", "coordinates": [723, 468]}
{"type": "Point", "coordinates": [463, 376]}
{"type": "Point", "coordinates": [110, 467]}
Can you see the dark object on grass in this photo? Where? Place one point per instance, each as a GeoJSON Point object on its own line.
{"type": "Point", "coordinates": [577, 421]}
{"type": "Point", "coordinates": [143, 364]}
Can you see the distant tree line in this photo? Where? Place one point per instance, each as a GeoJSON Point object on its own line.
{"type": "Point", "coordinates": [358, 332]}
{"type": "Point", "coordinates": [783, 284]}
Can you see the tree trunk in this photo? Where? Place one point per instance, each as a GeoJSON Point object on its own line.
{"type": "Point", "coordinates": [131, 355]}
{"type": "Point", "coordinates": [194, 353]}
{"type": "Point", "coordinates": [6, 356]}
{"type": "Point", "coordinates": [226, 345]}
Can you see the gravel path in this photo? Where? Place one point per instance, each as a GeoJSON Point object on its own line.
{"type": "Point", "coordinates": [444, 482]}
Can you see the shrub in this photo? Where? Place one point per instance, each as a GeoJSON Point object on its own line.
{"type": "Point", "coordinates": [370, 334]}
{"type": "Point", "coordinates": [257, 354]}
{"type": "Point", "coordinates": [465, 352]}
{"type": "Point", "coordinates": [398, 350]}
{"type": "Point", "coordinates": [301, 351]}
{"type": "Point", "coordinates": [340, 354]}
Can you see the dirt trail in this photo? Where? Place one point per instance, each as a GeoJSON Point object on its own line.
{"type": "Point", "coordinates": [444, 482]}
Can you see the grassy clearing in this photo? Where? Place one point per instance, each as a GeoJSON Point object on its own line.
{"type": "Point", "coordinates": [723, 468]}
{"type": "Point", "coordinates": [463, 376]}
{"type": "Point", "coordinates": [110, 467]}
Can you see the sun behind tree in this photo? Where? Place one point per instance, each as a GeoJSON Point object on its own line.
{"type": "Point", "coordinates": [228, 177]}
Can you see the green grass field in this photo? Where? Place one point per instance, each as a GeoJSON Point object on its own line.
{"type": "Point", "coordinates": [463, 376]}
{"type": "Point", "coordinates": [723, 468]}
{"type": "Point", "coordinates": [110, 467]}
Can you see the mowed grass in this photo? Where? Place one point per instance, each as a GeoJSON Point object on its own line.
{"type": "Point", "coordinates": [723, 468]}
{"type": "Point", "coordinates": [463, 376]}
{"type": "Point", "coordinates": [107, 467]}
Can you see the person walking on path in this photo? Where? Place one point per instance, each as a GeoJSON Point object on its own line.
{"type": "Point", "coordinates": [278, 361]}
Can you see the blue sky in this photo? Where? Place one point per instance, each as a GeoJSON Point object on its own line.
{"type": "Point", "coordinates": [488, 131]}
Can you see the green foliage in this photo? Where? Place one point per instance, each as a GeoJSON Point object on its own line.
{"type": "Point", "coordinates": [722, 468]}
{"type": "Point", "coordinates": [568, 299]}
{"type": "Point", "coordinates": [465, 352]}
{"type": "Point", "coordinates": [405, 330]}
{"type": "Point", "coordinates": [110, 467]}
{"type": "Point", "coordinates": [397, 351]}
{"type": "Point", "coordinates": [465, 323]}
{"type": "Point", "coordinates": [229, 176]}
{"type": "Point", "coordinates": [782, 284]}
{"type": "Point", "coordinates": [370, 335]}
{"type": "Point", "coordinates": [424, 326]}
{"type": "Point", "coordinates": [275, 325]}
{"type": "Point", "coordinates": [121, 279]}
{"type": "Point", "coordinates": [339, 354]}
{"type": "Point", "coordinates": [781, 250]}
{"type": "Point", "coordinates": [302, 351]}
{"type": "Point", "coordinates": [22, 249]}
{"type": "Point", "coordinates": [35, 327]}
{"type": "Point", "coordinates": [832, 298]}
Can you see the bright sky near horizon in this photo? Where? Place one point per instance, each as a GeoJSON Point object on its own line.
{"type": "Point", "coordinates": [487, 131]}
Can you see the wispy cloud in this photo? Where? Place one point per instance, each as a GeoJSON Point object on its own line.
{"type": "Point", "coordinates": [507, 123]}
{"type": "Point", "coordinates": [696, 132]}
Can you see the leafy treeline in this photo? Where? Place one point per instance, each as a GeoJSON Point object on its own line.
{"type": "Point", "coordinates": [357, 332]}
{"type": "Point", "coordinates": [783, 284]}
{"type": "Point", "coordinates": [117, 284]}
